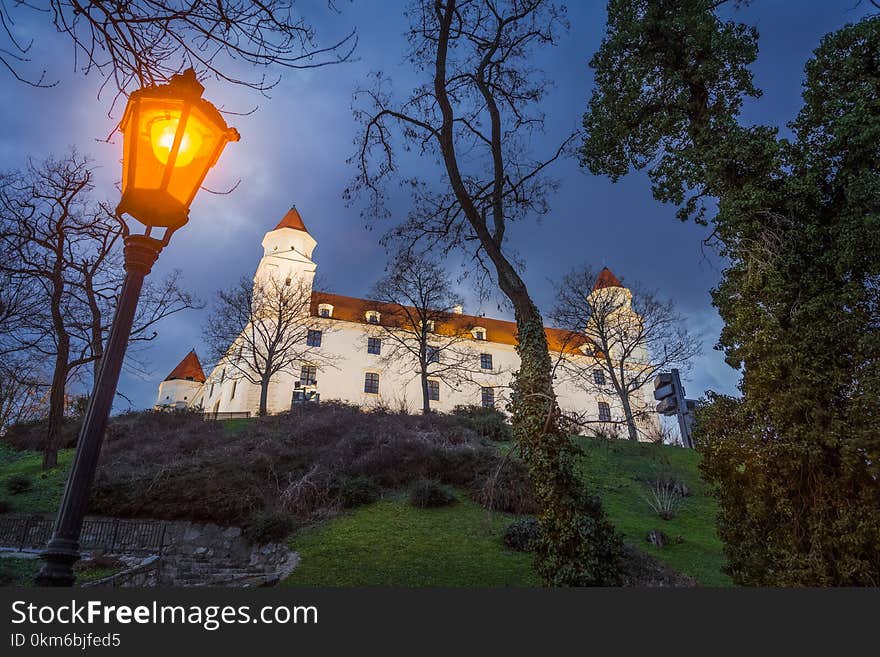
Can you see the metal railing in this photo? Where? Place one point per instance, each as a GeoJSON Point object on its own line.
{"type": "Point", "coordinates": [32, 532]}
{"type": "Point", "coordinates": [230, 415]}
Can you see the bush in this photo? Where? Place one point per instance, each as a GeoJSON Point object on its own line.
{"type": "Point", "coordinates": [486, 422]}
{"type": "Point", "coordinates": [18, 484]}
{"type": "Point", "coordinates": [31, 435]}
{"type": "Point", "coordinates": [310, 463]}
{"type": "Point", "coordinates": [664, 497]}
{"type": "Point", "coordinates": [5, 507]}
{"type": "Point", "coordinates": [269, 527]}
{"type": "Point", "coordinates": [508, 489]}
{"type": "Point", "coordinates": [428, 494]}
{"type": "Point", "coordinates": [522, 535]}
{"type": "Point", "coordinates": [358, 491]}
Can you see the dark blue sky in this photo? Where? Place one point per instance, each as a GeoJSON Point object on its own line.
{"type": "Point", "coordinates": [294, 150]}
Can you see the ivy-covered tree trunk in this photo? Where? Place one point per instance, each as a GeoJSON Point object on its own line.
{"type": "Point", "coordinates": [578, 546]}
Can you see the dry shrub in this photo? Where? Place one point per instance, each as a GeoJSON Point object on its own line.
{"type": "Point", "coordinates": [308, 463]}
{"type": "Point", "coordinates": [32, 435]}
{"type": "Point", "coordinates": [508, 489]}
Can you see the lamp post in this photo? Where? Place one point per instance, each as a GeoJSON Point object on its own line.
{"type": "Point", "coordinates": [171, 138]}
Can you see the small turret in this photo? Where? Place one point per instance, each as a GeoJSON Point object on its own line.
{"type": "Point", "coordinates": [287, 250]}
{"type": "Point", "coordinates": [182, 385]}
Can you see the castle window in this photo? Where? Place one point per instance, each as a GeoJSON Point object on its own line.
{"type": "Point", "coordinates": [371, 383]}
{"type": "Point", "coordinates": [234, 386]}
{"type": "Point", "coordinates": [604, 412]}
{"type": "Point", "coordinates": [429, 325]}
{"type": "Point", "coordinates": [313, 338]}
{"type": "Point", "coordinates": [287, 281]}
{"type": "Point", "coordinates": [432, 354]}
{"type": "Point", "coordinates": [325, 310]}
{"type": "Point", "coordinates": [372, 317]}
{"type": "Point", "coordinates": [374, 346]}
{"type": "Point", "coordinates": [479, 333]}
{"type": "Point", "coordinates": [308, 374]}
{"type": "Point", "coordinates": [487, 397]}
{"type": "Point", "coordinates": [599, 377]}
{"type": "Point", "coordinates": [485, 361]}
{"type": "Point", "coordinates": [211, 394]}
{"type": "Point", "coordinates": [433, 390]}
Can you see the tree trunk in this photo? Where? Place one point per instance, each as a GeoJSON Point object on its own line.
{"type": "Point", "coordinates": [264, 394]}
{"type": "Point", "coordinates": [56, 408]}
{"type": "Point", "coordinates": [578, 546]}
{"type": "Point", "coordinates": [630, 420]}
{"type": "Point", "coordinates": [426, 401]}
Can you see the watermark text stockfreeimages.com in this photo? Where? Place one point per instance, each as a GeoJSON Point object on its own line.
{"type": "Point", "coordinates": [209, 617]}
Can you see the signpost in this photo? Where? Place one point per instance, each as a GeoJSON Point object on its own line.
{"type": "Point", "coordinates": [669, 392]}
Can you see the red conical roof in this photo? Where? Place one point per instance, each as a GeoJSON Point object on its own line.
{"type": "Point", "coordinates": [292, 220]}
{"type": "Point", "coordinates": [189, 368]}
{"type": "Point", "coordinates": [606, 279]}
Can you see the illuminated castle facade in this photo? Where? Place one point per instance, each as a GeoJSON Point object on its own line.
{"type": "Point", "coordinates": [359, 375]}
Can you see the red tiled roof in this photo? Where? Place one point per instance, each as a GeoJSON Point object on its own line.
{"type": "Point", "coordinates": [189, 368]}
{"type": "Point", "coordinates": [606, 279]}
{"type": "Point", "coordinates": [351, 309]}
{"type": "Point", "coordinates": [292, 220]}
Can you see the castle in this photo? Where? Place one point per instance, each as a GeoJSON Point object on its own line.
{"type": "Point", "coordinates": [340, 326]}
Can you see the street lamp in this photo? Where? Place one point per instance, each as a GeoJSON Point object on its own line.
{"type": "Point", "coordinates": [171, 138]}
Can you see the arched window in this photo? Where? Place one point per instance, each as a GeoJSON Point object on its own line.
{"type": "Point", "coordinates": [373, 316]}
{"type": "Point", "coordinates": [325, 310]}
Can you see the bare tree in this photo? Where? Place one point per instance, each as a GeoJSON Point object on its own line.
{"type": "Point", "coordinates": [261, 328]}
{"type": "Point", "coordinates": [477, 113]}
{"type": "Point", "coordinates": [23, 392]}
{"type": "Point", "coordinates": [418, 326]}
{"type": "Point", "coordinates": [635, 335]}
{"type": "Point", "coordinates": [64, 248]}
{"type": "Point", "coordinates": [145, 41]}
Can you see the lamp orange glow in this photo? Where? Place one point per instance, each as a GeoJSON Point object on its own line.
{"type": "Point", "coordinates": [172, 137]}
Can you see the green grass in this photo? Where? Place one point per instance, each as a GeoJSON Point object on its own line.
{"type": "Point", "coordinates": [618, 472]}
{"type": "Point", "coordinates": [47, 487]}
{"type": "Point", "coordinates": [235, 425]}
{"type": "Point", "coordinates": [390, 543]}
{"type": "Point", "coordinates": [18, 572]}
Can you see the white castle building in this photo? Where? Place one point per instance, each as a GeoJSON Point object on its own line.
{"type": "Point", "coordinates": [359, 375]}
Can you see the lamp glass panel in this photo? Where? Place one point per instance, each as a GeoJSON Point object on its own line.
{"type": "Point", "coordinates": [197, 150]}
{"type": "Point", "coordinates": [155, 117]}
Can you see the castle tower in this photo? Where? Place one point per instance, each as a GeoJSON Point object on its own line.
{"type": "Point", "coordinates": [613, 301]}
{"type": "Point", "coordinates": [287, 251]}
{"type": "Point", "coordinates": [183, 383]}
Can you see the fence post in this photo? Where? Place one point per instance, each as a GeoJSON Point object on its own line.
{"type": "Point", "coordinates": [115, 532]}
{"type": "Point", "coordinates": [24, 533]}
{"type": "Point", "coordinates": [162, 540]}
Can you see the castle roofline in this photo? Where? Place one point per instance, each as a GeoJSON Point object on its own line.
{"type": "Point", "coordinates": [292, 220]}
{"type": "Point", "coordinates": [352, 309]}
{"type": "Point", "coordinates": [605, 279]}
{"type": "Point", "coordinates": [189, 369]}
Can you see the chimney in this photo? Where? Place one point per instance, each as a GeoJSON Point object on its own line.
{"type": "Point", "coordinates": [457, 310]}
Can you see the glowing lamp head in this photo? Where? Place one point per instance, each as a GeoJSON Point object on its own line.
{"type": "Point", "coordinates": [172, 137]}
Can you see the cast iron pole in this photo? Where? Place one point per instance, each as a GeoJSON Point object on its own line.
{"type": "Point", "coordinates": [62, 551]}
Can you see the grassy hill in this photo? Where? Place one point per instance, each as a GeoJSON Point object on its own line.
{"type": "Point", "coordinates": [392, 543]}
{"type": "Point", "coordinates": [389, 542]}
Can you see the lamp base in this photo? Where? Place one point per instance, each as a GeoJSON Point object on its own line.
{"type": "Point", "coordinates": [58, 557]}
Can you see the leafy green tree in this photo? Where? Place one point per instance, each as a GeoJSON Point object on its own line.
{"type": "Point", "coordinates": [796, 459]}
